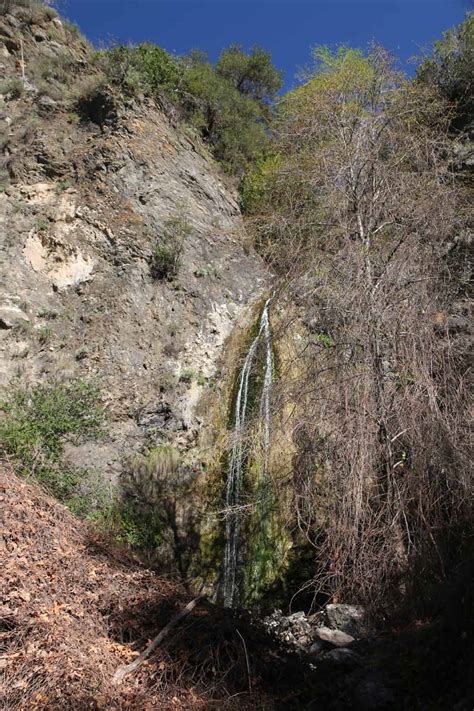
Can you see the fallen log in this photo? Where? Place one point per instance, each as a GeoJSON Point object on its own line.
{"type": "Point", "coordinates": [123, 671]}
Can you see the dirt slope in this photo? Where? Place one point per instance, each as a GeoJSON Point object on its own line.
{"type": "Point", "coordinates": [72, 612]}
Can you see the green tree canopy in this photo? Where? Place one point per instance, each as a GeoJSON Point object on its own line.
{"type": "Point", "coordinates": [231, 122]}
{"type": "Point", "coordinates": [451, 69]}
{"type": "Point", "coordinates": [252, 74]}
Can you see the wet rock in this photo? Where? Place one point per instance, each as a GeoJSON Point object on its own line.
{"type": "Point", "coordinates": [316, 648]}
{"type": "Point", "coordinates": [347, 618]}
{"type": "Point", "coordinates": [334, 637]}
{"type": "Point", "coordinates": [293, 631]}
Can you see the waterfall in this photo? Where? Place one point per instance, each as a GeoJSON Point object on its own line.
{"type": "Point", "coordinates": [238, 451]}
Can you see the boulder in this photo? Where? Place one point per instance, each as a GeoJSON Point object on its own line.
{"type": "Point", "coordinates": [335, 637]}
{"type": "Point", "coordinates": [316, 648]}
{"type": "Point", "coordinates": [348, 618]}
{"type": "Point", "coordinates": [297, 616]}
{"type": "Point", "coordinates": [11, 316]}
{"type": "Point", "coordinates": [47, 102]}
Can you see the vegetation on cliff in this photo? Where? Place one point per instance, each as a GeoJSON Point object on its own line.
{"type": "Point", "coordinates": [356, 198]}
{"type": "Point", "coordinates": [229, 103]}
{"type": "Point", "coordinates": [359, 211]}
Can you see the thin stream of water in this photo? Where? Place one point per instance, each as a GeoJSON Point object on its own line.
{"type": "Point", "coordinates": [238, 452]}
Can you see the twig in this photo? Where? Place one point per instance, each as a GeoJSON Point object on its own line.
{"type": "Point", "coordinates": [246, 659]}
{"type": "Point", "coordinates": [22, 63]}
{"type": "Point", "coordinates": [123, 671]}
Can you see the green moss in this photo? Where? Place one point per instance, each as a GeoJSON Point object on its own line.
{"type": "Point", "coordinates": [324, 339]}
{"type": "Point", "coordinates": [265, 542]}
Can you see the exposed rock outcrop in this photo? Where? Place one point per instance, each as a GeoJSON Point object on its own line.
{"type": "Point", "coordinates": [81, 210]}
{"type": "Point", "coordinates": [320, 632]}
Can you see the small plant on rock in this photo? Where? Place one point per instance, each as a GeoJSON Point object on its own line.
{"type": "Point", "coordinates": [166, 255]}
{"type": "Point", "coordinates": [187, 376]}
{"type": "Point", "coordinates": [45, 334]}
{"type": "Point", "coordinates": [12, 88]}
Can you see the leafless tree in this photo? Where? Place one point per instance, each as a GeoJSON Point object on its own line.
{"type": "Point", "coordinates": [357, 217]}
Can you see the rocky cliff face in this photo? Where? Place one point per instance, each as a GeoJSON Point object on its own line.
{"type": "Point", "coordinates": [81, 208]}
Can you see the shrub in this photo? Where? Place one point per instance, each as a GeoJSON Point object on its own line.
{"type": "Point", "coordinates": [164, 262]}
{"type": "Point", "coordinates": [251, 74]}
{"type": "Point", "coordinates": [256, 182]}
{"type": "Point", "coordinates": [50, 12]}
{"type": "Point", "coordinates": [139, 516]}
{"type": "Point", "coordinates": [116, 64]}
{"type": "Point", "coordinates": [166, 255]}
{"type": "Point", "coordinates": [12, 87]}
{"type": "Point", "coordinates": [159, 69]}
{"type": "Point", "coordinates": [94, 101]}
{"type": "Point", "coordinates": [156, 513]}
{"type": "Point", "coordinates": [46, 88]}
{"type": "Point", "coordinates": [45, 334]}
{"type": "Point", "coordinates": [187, 376]}
{"type": "Point", "coordinates": [59, 68]}
{"type": "Point", "coordinates": [451, 70]}
{"type": "Point", "coordinates": [146, 67]}
{"type": "Point", "coordinates": [36, 423]}
{"type": "Point", "coordinates": [231, 122]}
{"type": "Point", "coordinates": [71, 27]}
{"type": "Point", "coordinates": [45, 312]}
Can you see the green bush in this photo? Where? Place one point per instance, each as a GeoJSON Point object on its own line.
{"type": "Point", "coordinates": [164, 262]}
{"type": "Point", "coordinates": [45, 334]}
{"type": "Point", "coordinates": [158, 68]}
{"type": "Point", "coordinates": [166, 254]}
{"type": "Point", "coordinates": [251, 74]}
{"type": "Point", "coordinates": [59, 68]}
{"type": "Point", "coordinates": [256, 182]}
{"type": "Point", "coordinates": [231, 122]}
{"type": "Point", "coordinates": [12, 87]}
{"type": "Point", "coordinates": [127, 522]}
{"type": "Point", "coordinates": [72, 28]}
{"type": "Point", "coordinates": [36, 423]}
{"type": "Point", "coordinates": [145, 67]}
{"type": "Point", "coordinates": [139, 517]}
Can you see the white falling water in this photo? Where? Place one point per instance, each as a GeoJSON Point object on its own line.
{"type": "Point", "coordinates": [237, 455]}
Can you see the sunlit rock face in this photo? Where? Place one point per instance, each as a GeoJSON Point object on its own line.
{"type": "Point", "coordinates": [80, 214]}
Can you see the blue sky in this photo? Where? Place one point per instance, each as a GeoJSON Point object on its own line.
{"type": "Point", "coordinates": [288, 28]}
